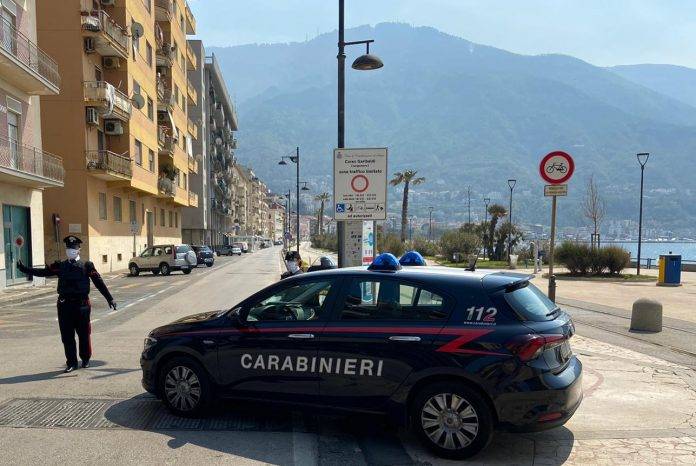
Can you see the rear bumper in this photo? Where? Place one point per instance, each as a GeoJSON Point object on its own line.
{"type": "Point", "coordinates": [549, 401]}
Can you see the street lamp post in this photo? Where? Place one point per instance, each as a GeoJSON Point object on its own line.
{"type": "Point", "coordinates": [430, 223]}
{"type": "Point", "coordinates": [511, 184]}
{"type": "Point", "coordinates": [486, 201]}
{"type": "Point", "coordinates": [468, 197]}
{"type": "Point", "coordinates": [642, 160]}
{"type": "Point", "coordinates": [296, 160]}
{"type": "Point", "coordinates": [364, 62]}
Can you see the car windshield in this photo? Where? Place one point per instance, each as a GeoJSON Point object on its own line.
{"type": "Point", "coordinates": [531, 304]}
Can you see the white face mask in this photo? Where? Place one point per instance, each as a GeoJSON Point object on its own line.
{"type": "Point", "coordinates": [292, 266]}
{"type": "Point", "coordinates": [73, 254]}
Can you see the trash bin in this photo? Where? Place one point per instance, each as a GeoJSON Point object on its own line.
{"type": "Point", "coordinates": [669, 273]}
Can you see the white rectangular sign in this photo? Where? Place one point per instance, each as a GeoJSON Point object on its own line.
{"type": "Point", "coordinates": [556, 190]}
{"type": "Point", "coordinates": [368, 242]}
{"type": "Point", "coordinates": [352, 240]}
{"type": "Point", "coordinates": [360, 184]}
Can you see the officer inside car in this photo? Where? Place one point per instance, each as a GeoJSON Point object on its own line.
{"type": "Point", "coordinates": [74, 308]}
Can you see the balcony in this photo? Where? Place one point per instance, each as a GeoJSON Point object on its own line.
{"type": "Point", "coordinates": [29, 166]}
{"type": "Point", "coordinates": [165, 55]}
{"type": "Point", "coordinates": [164, 10]}
{"type": "Point", "coordinates": [192, 92]}
{"type": "Point", "coordinates": [166, 187]}
{"type": "Point", "coordinates": [108, 165]}
{"type": "Point", "coordinates": [110, 39]}
{"type": "Point", "coordinates": [190, 21]}
{"type": "Point", "coordinates": [112, 102]}
{"type": "Point", "coordinates": [193, 165]}
{"type": "Point", "coordinates": [193, 199]}
{"type": "Point", "coordinates": [192, 129]}
{"type": "Point", "coordinates": [166, 101]}
{"type": "Point", "coordinates": [191, 60]}
{"type": "Point", "coordinates": [166, 144]}
{"type": "Point", "coordinates": [25, 65]}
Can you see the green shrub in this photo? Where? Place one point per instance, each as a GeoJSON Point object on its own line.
{"type": "Point", "coordinates": [598, 261]}
{"type": "Point", "coordinates": [425, 247]}
{"type": "Point", "coordinates": [458, 241]}
{"type": "Point", "coordinates": [574, 256]}
{"type": "Point", "coordinates": [326, 241]}
{"type": "Point", "coordinates": [391, 243]}
{"type": "Point", "coordinates": [615, 259]}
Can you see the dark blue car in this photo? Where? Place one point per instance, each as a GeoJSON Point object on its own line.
{"type": "Point", "coordinates": [454, 354]}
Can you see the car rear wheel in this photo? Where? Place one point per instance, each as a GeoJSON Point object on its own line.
{"type": "Point", "coordinates": [134, 270]}
{"type": "Point", "coordinates": [452, 420]}
{"type": "Point", "coordinates": [186, 271]}
{"type": "Point", "coordinates": [165, 269]}
{"type": "Point", "coordinates": [185, 387]}
{"type": "Point", "coordinates": [208, 264]}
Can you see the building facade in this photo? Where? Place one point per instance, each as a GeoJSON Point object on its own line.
{"type": "Point", "coordinates": [213, 221]}
{"type": "Point", "coordinates": [123, 124]}
{"type": "Point", "coordinates": [26, 72]}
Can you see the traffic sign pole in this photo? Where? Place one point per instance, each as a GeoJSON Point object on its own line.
{"type": "Point", "coordinates": [552, 277]}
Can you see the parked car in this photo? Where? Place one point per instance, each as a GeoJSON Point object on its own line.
{"type": "Point", "coordinates": [236, 250]}
{"type": "Point", "coordinates": [163, 259]}
{"type": "Point", "coordinates": [278, 242]}
{"type": "Point", "coordinates": [243, 245]}
{"type": "Point", "coordinates": [204, 255]}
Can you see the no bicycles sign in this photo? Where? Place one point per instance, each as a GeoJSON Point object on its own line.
{"type": "Point", "coordinates": [556, 167]}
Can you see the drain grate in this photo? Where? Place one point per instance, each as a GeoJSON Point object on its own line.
{"type": "Point", "coordinates": [143, 414]}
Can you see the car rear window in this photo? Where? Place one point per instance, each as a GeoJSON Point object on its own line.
{"type": "Point", "coordinates": [530, 303]}
{"type": "Point", "coordinates": [183, 248]}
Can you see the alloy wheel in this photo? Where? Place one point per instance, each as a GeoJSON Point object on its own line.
{"type": "Point", "coordinates": [182, 388]}
{"type": "Point", "coordinates": [449, 421]}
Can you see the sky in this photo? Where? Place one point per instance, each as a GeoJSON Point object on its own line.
{"type": "Point", "coordinates": [602, 32]}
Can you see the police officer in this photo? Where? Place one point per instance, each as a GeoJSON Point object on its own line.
{"type": "Point", "coordinates": [73, 299]}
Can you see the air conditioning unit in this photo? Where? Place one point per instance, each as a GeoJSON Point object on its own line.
{"type": "Point", "coordinates": [113, 127]}
{"type": "Point", "coordinates": [111, 62]}
{"type": "Point", "coordinates": [92, 116]}
{"type": "Point", "coordinates": [108, 2]}
{"type": "Point", "coordinates": [89, 45]}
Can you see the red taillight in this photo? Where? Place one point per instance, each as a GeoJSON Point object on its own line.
{"type": "Point", "coordinates": [528, 347]}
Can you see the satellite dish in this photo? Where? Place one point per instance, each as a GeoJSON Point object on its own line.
{"type": "Point", "coordinates": [138, 101]}
{"type": "Point", "coordinates": [137, 30]}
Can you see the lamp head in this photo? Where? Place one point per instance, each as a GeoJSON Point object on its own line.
{"type": "Point", "coordinates": [368, 61]}
{"type": "Point", "coordinates": [282, 162]}
{"type": "Point", "coordinates": [643, 158]}
{"type": "Point", "coordinates": [512, 183]}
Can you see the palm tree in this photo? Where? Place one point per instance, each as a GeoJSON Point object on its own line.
{"type": "Point", "coordinates": [408, 178]}
{"type": "Point", "coordinates": [496, 211]}
{"type": "Point", "coordinates": [322, 198]}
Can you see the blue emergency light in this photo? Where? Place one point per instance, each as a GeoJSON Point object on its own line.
{"type": "Point", "coordinates": [385, 262]}
{"type": "Point", "coordinates": [412, 258]}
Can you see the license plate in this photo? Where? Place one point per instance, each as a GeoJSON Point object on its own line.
{"type": "Point", "coordinates": [209, 259]}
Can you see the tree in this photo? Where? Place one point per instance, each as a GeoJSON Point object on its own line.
{"type": "Point", "coordinates": [501, 238]}
{"type": "Point", "coordinates": [407, 178]}
{"type": "Point", "coordinates": [322, 198]}
{"type": "Point", "coordinates": [496, 211]}
{"type": "Point", "coordinates": [462, 240]}
{"type": "Point", "coordinates": [593, 208]}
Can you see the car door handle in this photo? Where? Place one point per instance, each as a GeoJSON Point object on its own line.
{"type": "Point", "coordinates": [404, 338]}
{"type": "Point", "coordinates": [301, 336]}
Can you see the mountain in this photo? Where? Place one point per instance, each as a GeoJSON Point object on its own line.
{"type": "Point", "coordinates": [677, 82]}
{"type": "Point", "coordinates": [466, 114]}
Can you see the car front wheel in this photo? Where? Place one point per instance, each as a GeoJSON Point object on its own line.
{"type": "Point", "coordinates": [452, 420]}
{"type": "Point", "coordinates": [185, 387]}
{"type": "Point", "coordinates": [165, 269]}
{"type": "Point", "coordinates": [134, 270]}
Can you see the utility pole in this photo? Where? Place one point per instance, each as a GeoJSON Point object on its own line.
{"type": "Point", "coordinates": [430, 223]}
{"type": "Point", "coordinates": [468, 196]}
{"type": "Point", "coordinates": [511, 184]}
{"type": "Point", "coordinates": [297, 194]}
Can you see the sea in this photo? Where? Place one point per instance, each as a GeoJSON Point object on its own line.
{"type": "Point", "coordinates": [653, 249]}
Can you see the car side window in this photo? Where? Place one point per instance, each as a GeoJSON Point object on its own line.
{"type": "Point", "coordinates": [377, 299]}
{"type": "Point", "coordinates": [168, 250]}
{"type": "Point", "coordinates": [157, 251]}
{"type": "Point", "coordinates": [146, 253]}
{"type": "Point", "coordinates": [301, 302]}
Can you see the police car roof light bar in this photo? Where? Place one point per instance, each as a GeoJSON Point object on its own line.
{"type": "Point", "coordinates": [412, 258]}
{"type": "Point", "coordinates": [385, 262]}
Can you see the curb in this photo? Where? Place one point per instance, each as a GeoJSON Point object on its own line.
{"type": "Point", "coordinates": [27, 297]}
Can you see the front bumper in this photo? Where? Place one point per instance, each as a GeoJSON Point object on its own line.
{"type": "Point", "coordinates": [547, 401]}
{"type": "Point", "coordinates": [149, 381]}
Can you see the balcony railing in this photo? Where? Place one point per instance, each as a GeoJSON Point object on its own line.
{"type": "Point", "coordinates": [98, 21]}
{"type": "Point", "coordinates": [192, 128]}
{"type": "Point", "coordinates": [112, 101]}
{"type": "Point", "coordinates": [166, 101]}
{"type": "Point", "coordinates": [163, 10]}
{"type": "Point", "coordinates": [192, 60]}
{"type": "Point", "coordinates": [193, 199]}
{"type": "Point", "coordinates": [193, 165]}
{"type": "Point", "coordinates": [192, 92]}
{"type": "Point", "coordinates": [109, 162]}
{"type": "Point", "coordinates": [31, 160]}
{"type": "Point", "coordinates": [165, 56]}
{"type": "Point", "coordinates": [190, 21]}
{"type": "Point", "coordinates": [29, 55]}
{"type": "Point", "coordinates": [166, 186]}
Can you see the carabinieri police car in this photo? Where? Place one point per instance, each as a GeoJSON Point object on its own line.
{"type": "Point", "coordinates": [454, 354]}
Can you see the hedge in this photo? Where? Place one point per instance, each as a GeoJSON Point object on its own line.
{"type": "Point", "coordinates": [581, 259]}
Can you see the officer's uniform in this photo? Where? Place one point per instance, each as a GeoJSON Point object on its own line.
{"type": "Point", "coordinates": [73, 301]}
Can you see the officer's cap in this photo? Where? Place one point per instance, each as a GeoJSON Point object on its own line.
{"type": "Point", "coordinates": [72, 242]}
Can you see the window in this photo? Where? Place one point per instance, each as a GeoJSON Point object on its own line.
{"type": "Point", "coordinates": [136, 41]}
{"type": "Point", "coordinates": [131, 212]}
{"type": "Point", "coordinates": [151, 160]}
{"type": "Point", "coordinates": [117, 209]}
{"type": "Point", "coordinates": [176, 219]}
{"type": "Point", "coordinates": [181, 22]}
{"type": "Point", "coordinates": [138, 155]}
{"type": "Point", "coordinates": [531, 304]}
{"type": "Point", "coordinates": [162, 217]}
{"type": "Point", "coordinates": [176, 93]}
{"type": "Point", "coordinates": [148, 5]}
{"type": "Point", "coordinates": [14, 136]}
{"type": "Point", "coordinates": [185, 186]}
{"type": "Point", "coordinates": [370, 299]}
{"type": "Point", "coordinates": [102, 206]}
{"type": "Point", "coordinates": [294, 303]}
{"type": "Point", "coordinates": [98, 74]}
{"type": "Point", "coordinates": [146, 253]}
{"type": "Point", "coordinates": [171, 219]}
{"type": "Point", "coordinates": [150, 109]}
{"type": "Point", "coordinates": [148, 53]}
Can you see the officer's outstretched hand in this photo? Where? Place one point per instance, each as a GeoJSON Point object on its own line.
{"type": "Point", "coordinates": [112, 304]}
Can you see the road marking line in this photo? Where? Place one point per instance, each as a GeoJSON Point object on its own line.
{"type": "Point", "coordinates": [139, 300]}
{"type": "Point", "coordinates": [111, 313]}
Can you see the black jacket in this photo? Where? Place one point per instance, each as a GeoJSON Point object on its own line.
{"type": "Point", "coordinates": [73, 278]}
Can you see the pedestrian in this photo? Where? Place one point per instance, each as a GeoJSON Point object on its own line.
{"type": "Point", "coordinates": [293, 262]}
{"type": "Point", "coordinates": [74, 308]}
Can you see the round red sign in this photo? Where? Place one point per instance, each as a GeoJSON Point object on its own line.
{"type": "Point", "coordinates": [556, 167]}
{"type": "Point", "coordinates": [19, 241]}
{"type": "Point", "coordinates": [359, 183]}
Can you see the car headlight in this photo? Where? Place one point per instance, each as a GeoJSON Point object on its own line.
{"type": "Point", "coordinates": [149, 343]}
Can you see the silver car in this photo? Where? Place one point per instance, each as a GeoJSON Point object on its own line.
{"type": "Point", "coordinates": [163, 259]}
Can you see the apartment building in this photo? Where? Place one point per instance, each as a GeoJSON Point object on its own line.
{"type": "Point", "coordinates": [214, 220]}
{"type": "Point", "coordinates": [26, 72]}
{"type": "Point", "coordinates": [121, 121]}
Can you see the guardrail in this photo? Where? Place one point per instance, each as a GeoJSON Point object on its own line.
{"type": "Point", "coordinates": [31, 160]}
{"type": "Point", "coordinates": [109, 161]}
{"type": "Point", "coordinates": [99, 20]}
{"type": "Point", "coordinates": [28, 53]}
